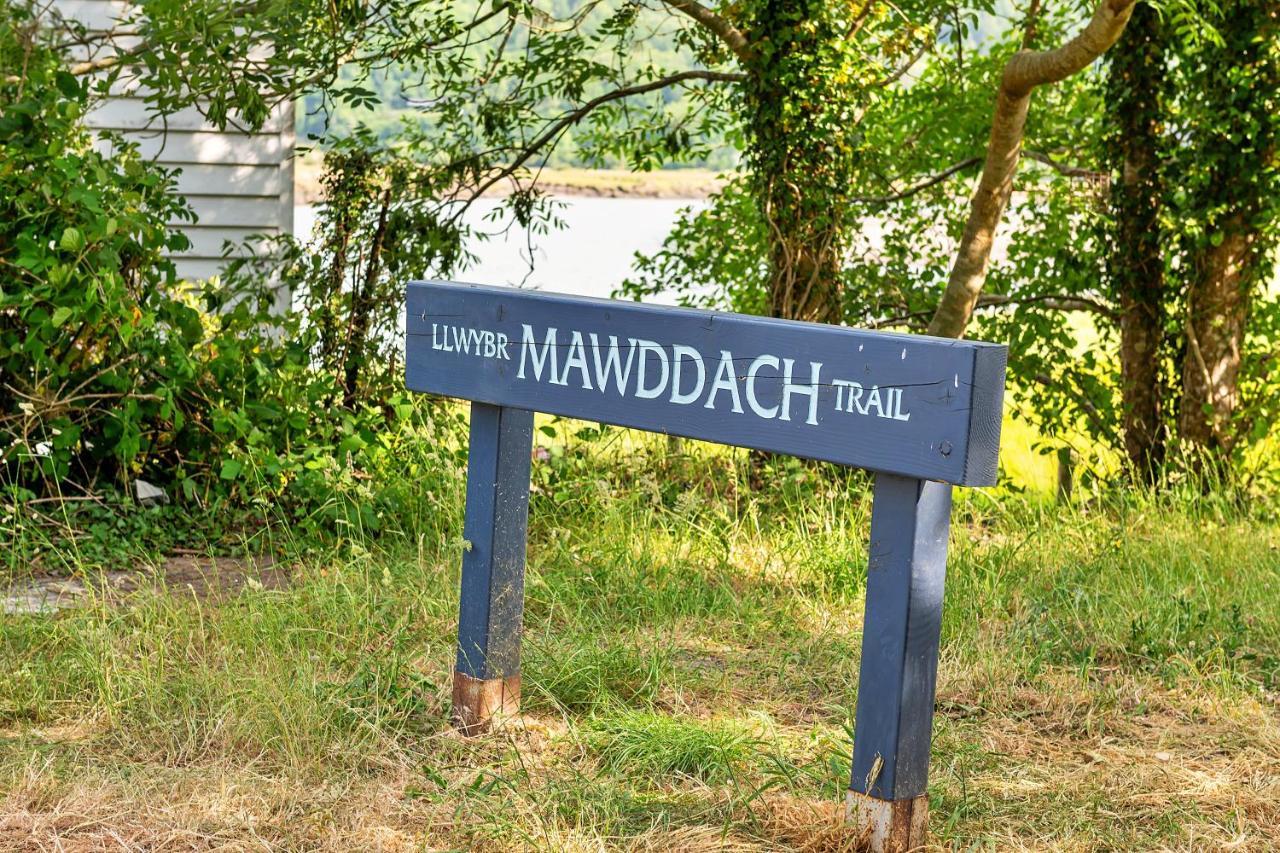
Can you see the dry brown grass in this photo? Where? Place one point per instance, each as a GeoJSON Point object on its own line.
{"type": "Point", "coordinates": [1064, 770]}
{"type": "Point", "coordinates": [314, 716]}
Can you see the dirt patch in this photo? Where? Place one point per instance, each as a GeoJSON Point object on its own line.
{"type": "Point", "coordinates": [204, 577]}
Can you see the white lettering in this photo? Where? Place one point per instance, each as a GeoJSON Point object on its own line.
{"type": "Point", "coordinates": [577, 358]}
{"type": "Point", "coordinates": [612, 363]}
{"type": "Point", "coordinates": [645, 348]}
{"type": "Point", "coordinates": [724, 379]}
{"type": "Point", "coordinates": [752, 401]}
{"type": "Point", "coordinates": [678, 354]}
{"type": "Point", "coordinates": [529, 347]}
{"type": "Point", "coordinates": [842, 384]}
{"type": "Point", "coordinates": [898, 414]}
{"type": "Point", "coordinates": [873, 399]}
{"type": "Point", "coordinates": [810, 389]}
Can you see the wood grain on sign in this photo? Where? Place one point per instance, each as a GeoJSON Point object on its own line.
{"type": "Point", "coordinates": [920, 407]}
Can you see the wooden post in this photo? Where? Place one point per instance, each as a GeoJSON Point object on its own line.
{"type": "Point", "coordinates": [486, 677]}
{"type": "Point", "coordinates": [1066, 474]}
{"type": "Point", "coordinates": [888, 799]}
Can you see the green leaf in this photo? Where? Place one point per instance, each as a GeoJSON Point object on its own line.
{"type": "Point", "coordinates": [72, 240]}
{"type": "Point", "coordinates": [60, 316]}
{"type": "Point", "coordinates": [68, 85]}
{"type": "Point", "coordinates": [230, 469]}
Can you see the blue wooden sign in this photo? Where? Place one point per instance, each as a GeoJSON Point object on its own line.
{"type": "Point", "coordinates": [903, 404]}
{"type": "Point", "coordinates": [922, 413]}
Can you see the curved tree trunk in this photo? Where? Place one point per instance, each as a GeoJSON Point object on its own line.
{"type": "Point", "coordinates": [1025, 71]}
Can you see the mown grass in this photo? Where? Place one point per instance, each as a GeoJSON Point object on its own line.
{"type": "Point", "coordinates": [1109, 680]}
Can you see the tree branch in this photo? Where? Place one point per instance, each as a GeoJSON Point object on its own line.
{"type": "Point", "coordinates": [932, 180]}
{"type": "Point", "coordinates": [1063, 168]}
{"type": "Point", "coordinates": [907, 65]}
{"type": "Point", "coordinates": [1052, 301]}
{"type": "Point", "coordinates": [725, 31]}
{"type": "Point", "coordinates": [567, 120]}
{"type": "Point", "coordinates": [1028, 69]}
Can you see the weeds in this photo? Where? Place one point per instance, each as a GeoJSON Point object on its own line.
{"type": "Point", "coordinates": [690, 674]}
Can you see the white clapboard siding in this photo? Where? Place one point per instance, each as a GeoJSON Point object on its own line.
{"type": "Point", "coordinates": [94, 15]}
{"type": "Point", "coordinates": [199, 269]}
{"type": "Point", "coordinates": [238, 183]}
{"type": "Point", "coordinates": [228, 211]}
{"type": "Point", "coordinates": [232, 149]}
{"type": "Point", "coordinates": [198, 179]}
{"type": "Point", "coordinates": [209, 242]}
{"type": "Point", "coordinates": [127, 113]}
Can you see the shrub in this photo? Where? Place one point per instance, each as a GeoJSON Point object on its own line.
{"type": "Point", "coordinates": [97, 343]}
{"type": "Point", "coordinates": [112, 370]}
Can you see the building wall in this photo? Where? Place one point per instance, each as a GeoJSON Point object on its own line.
{"type": "Point", "coordinates": [239, 184]}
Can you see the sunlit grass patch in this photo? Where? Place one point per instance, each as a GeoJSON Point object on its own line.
{"type": "Point", "coordinates": [577, 674]}
{"type": "Point", "coordinates": [654, 745]}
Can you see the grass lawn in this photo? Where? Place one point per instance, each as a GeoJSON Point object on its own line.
{"type": "Point", "coordinates": [1110, 679]}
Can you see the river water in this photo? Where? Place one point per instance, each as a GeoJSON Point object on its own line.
{"type": "Point", "coordinates": [590, 255]}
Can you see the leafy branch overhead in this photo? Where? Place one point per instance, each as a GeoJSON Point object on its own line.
{"type": "Point", "coordinates": [887, 165]}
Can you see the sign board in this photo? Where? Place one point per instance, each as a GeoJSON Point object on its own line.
{"type": "Point", "coordinates": [922, 413]}
{"type": "Point", "coordinates": [902, 404]}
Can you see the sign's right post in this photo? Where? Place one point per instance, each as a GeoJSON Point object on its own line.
{"type": "Point", "coordinates": [907, 560]}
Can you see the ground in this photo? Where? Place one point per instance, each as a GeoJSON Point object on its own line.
{"type": "Point", "coordinates": [1109, 680]}
{"type": "Point", "coordinates": [596, 183]}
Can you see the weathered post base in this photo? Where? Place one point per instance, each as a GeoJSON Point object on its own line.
{"type": "Point", "coordinates": [486, 674]}
{"type": "Point", "coordinates": [480, 702]}
{"type": "Point", "coordinates": [889, 826]}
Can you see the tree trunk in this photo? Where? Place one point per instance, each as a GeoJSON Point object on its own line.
{"type": "Point", "coordinates": [802, 155]}
{"type": "Point", "coordinates": [1235, 134]}
{"type": "Point", "coordinates": [1135, 256]}
{"type": "Point", "coordinates": [356, 351]}
{"type": "Point", "coordinates": [1217, 311]}
{"type": "Point", "coordinates": [1025, 71]}
{"type": "Point", "coordinates": [805, 266]}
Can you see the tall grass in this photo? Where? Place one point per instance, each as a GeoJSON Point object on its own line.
{"type": "Point", "coordinates": [691, 660]}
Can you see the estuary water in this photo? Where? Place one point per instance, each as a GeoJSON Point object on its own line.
{"type": "Point", "coordinates": [590, 255]}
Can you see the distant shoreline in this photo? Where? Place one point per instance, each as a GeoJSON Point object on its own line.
{"type": "Point", "coordinates": [692, 184]}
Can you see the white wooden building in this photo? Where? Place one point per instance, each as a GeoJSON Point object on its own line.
{"type": "Point", "coordinates": [239, 184]}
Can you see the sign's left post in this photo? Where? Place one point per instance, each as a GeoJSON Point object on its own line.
{"type": "Point", "coordinates": [486, 677]}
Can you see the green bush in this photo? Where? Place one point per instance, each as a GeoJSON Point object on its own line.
{"type": "Point", "coordinates": [114, 370]}
{"type": "Point", "coordinates": [97, 343]}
